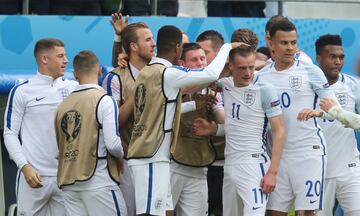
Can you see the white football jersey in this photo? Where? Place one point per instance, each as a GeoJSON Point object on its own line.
{"type": "Point", "coordinates": [341, 141]}
{"type": "Point", "coordinates": [246, 112]}
{"type": "Point", "coordinates": [299, 87]}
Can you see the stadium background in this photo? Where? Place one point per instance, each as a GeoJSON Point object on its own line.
{"type": "Point", "coordinates": [19, 33]}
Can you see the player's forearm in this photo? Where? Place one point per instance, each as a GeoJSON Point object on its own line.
{"type": "Point", "coordinates": [219, 116]}
{"type": "Point", "coordinates": [116, 50]}
{"type": "Point", "coordinates": [347, 118]}
{"type": "Point", "coordinates": [13, 146]}
{"type": "Point", "coordinates": [125, 111]}
{"type": "Point", "coordinates": [278, 143]}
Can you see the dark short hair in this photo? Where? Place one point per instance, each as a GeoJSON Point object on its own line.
{"type": "Point", "coordinates": [243, 51]}
{"type": "Point", "coordinates": [326, 40]}
{"type": "Point", "coordinates": [215, 37]}
{"type": "Point", "coordinates": [85, 61]}
{"type": "Point", "coordinates": [46, 44]}
{"type": "Point", "coordinates": [246, 36]}
{"type": "Point", "coordinates": [188, 47]}
{"type": "Point", "coordinates": [264, 50]}
{"type": "Point", "coordinates": [168, 37]}
{"type": "Point", "coordinates": [272, 20]}
{"type": "Point", "coordinates": [282, 25]}
{"type": "Point", "coordinates": [129, 35]}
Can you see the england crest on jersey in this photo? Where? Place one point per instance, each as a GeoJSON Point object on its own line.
{"type": "Point", "coordinates": [249, 98]}
{"type": "Point", "coordinates": [342, 98]}
{"type": "Point", "coordinates": [295, 82]}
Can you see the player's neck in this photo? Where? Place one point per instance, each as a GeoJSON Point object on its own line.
{"type": "Point", "coordinates": [168, 56]}
{"type": "Point", "coordinates": [138, 62]}
{"type": "Point", "coordinates": [332, 81]}
{"type": "Point", "coordinates": [280, 66]}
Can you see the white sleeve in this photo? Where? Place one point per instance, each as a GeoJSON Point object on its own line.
{"type": "Point", "coordinates": [177, 77]}
{"type": "Point", "coordinates": [319, 83]}
{"type": "Point", "coordinates": [112, 86]}
{"type": "Point", "coordinates": [349, 119]}
{"type": "Point", "coordinates": [219, 106]}
{"type": "Point", "coordinates": [220, 130]}
{"type": "Point", "coordinates": [188, 106]}
{"type": "Point", "coordinates": [14, 113]}
{"type": "Point", "coordinates": [108, 114]}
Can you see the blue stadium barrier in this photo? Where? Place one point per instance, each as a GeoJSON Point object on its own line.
{"type": "Point", "coordinates": [19, 33]}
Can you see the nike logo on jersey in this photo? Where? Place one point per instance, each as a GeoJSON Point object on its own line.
{"type": "Point", "coordinates": [226, 88]}
{"type": "Point", "coordinates": [39, 98]}
{"type": "Point", "coordinates": [254, 208]}
{"type": "Point", "coordinates": [313, 201]}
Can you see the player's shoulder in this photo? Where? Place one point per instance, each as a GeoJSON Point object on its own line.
{"type": "Point", "coordinates": [265, 87]}
{"type": "Point", "coordinates": [226, 81]}
{"type": "Point", "coordinates": [20, 86]}
{"type": "Point", "coordinates": [309, 68]}
{"type": "Point", "coordinates": [266, 68]}
{"type": "Point", "coordinates": [119, 71]}
{"type": "Point", "coordinates": [349, 80]}
{"type": "Point", "coordinates": [302, 56]}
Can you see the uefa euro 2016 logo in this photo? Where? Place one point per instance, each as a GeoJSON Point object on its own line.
{"type": "Point", "coordinates": [140, 99]}
{"type": "Point", "coordinates": [71, 125]}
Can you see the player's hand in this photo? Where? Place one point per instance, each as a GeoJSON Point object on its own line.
{"type": "Point", "coordinates": [306, 114]}
{"type": "Point", "coordinates": [238, 44]}
{"type": "Point", "coordinates": [122, 60]}
{"type": "Point", "coordinates": [213, 86]}
{"type": "Point", "coordinates": [204, 100]}
{"type": "Point", "coordinates": [202, 127]}
{"type": "Point", "coordinates": [32, 177]}
{"type": "Point", "coordinates": [326, 104]}
{"type": "Point", "coordinates": [268, 182]}
{"type": "Point", "coordinates": [118, 23]}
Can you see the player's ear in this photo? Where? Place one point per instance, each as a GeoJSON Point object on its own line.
{"type": "Point", "coordinates": [75, 75]}
{"type": "Point", "coordinates": [99, 71]}
{"type": "Point", "coordinates": [133, 46]}
{"type": "Point", "coordinates": [318, 58]}
{"type": "Point", "coordinates": [271, 44]}
{"type": "Point", "coordinates": [181, 62]}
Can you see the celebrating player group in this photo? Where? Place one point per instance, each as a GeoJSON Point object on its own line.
{"type": "Point", "coordinates": [187, 128]}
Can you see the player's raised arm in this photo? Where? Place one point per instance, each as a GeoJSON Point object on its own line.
{"type": "Point", "coordinates": [119, 25]}
{"type": "Point", "coordinates": [178, 77]}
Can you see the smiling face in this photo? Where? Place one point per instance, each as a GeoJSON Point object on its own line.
{"type": "Point", "coordinates": [242, 69]}
{"type": "Point", "coordinates": [331, 61]}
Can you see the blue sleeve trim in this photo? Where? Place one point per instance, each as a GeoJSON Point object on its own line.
{"type": "Point", "coordinates": [108, 84]}
{"type": "Point", "coordinates": [8, 117]}
{"type": "Point", "coordinates": [185, 69]}
{"type": "Point", "coordinates": [116, 116]}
